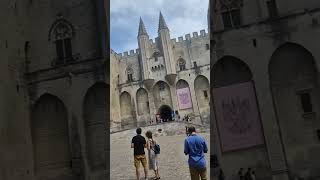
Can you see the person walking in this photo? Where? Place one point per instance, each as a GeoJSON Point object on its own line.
{"type": "Point", "coordinates": [240, 174]}
{"type": "Point", "coordinates": [153, 157]}
{"type": "Point", "coordinates": [195, 146]}
{"type": "Point", "coordinates": [138, 143]}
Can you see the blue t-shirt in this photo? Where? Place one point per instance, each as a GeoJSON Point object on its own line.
{"type": "Point", "coordinates": [195, 146]}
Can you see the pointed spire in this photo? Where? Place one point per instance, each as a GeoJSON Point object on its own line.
{"type": "Point", "coordinates": [142, 29]}
{"type": "Point", "coordinates": [162, 23]}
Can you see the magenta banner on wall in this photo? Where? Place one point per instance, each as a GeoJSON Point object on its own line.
{"type": "Point", "coordinates": [238, 117]}
{"type": "Point", "coordinates": [184, 98]}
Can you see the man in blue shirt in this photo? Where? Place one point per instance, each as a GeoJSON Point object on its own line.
{"type": "Point", "coordinates": [195, 146]}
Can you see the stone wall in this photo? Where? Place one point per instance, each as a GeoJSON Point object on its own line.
{"type": "Point", "coordinates": [289, 43]}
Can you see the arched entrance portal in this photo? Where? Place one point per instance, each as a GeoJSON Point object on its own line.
{"type": "Point", "coordinates": [237, 119]}
{"type": "Point", "coordinates": [165, 113]}
{"type": "Point", "coordinates": [50, 131]}
{"type": "Point", "coordinates": [296, 97]}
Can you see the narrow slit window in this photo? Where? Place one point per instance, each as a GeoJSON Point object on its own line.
{"type": "Point", "coordinates": [130, 79]}
{"type": "Point", "coordinates": [205, 94]}
{"type": "Point", "coordinates": [306, 104]}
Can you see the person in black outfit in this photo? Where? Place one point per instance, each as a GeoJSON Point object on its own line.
{"type": "Point", "coordinates": [138, 144]}
{"type": "Point", "coordinates": [240, 174]}
{"type": "Point", "coordinates": [247, 176]}
{"type": "Point", "coordinates": [221, 175]}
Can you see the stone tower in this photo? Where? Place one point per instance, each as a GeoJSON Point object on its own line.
{"type": "Point", "coordinates": [166, 49]}
{"type": "Point", "coordinates": [143, 42]}
{"type": "Point", "coordinates": [144, 54]}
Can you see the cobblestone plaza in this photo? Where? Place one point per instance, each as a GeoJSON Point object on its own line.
{"type": "Point", "coordinates": [172, 161]}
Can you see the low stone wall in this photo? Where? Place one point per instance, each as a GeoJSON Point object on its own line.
{"type": "Point", "coordinates": [167, 129]}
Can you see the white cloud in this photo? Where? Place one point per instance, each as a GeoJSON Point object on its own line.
{"type": "Point", "coordinates": [182, 17]}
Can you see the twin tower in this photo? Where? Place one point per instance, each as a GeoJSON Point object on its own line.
{"type": "Point", "coordinates": [162, 48]}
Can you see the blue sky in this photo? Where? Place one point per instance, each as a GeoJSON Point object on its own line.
{"type": "Point", "coordinates": [182, 17]}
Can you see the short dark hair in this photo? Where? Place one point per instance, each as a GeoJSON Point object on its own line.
{"type": "Point", "coordinates": [138, 130]}
{"type": "Point", "coordinates": [149, 134]}
{"type": "Point", "coordinates": [191, 129]}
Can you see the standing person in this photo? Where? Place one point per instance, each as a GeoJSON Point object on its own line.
{"type": "Point", "coordinates": [221, 175]}
{"type": "Point", "coordinates": [138, 144]}
{"type": "Point", "coordinates": [195, 146]}
{"type": "Point", "coordinates": [253, 175]}
{"type": "Point", "coordinates": [247, 176]}
{"type": "Point", "coordinates": [153, 157]}
{"type": "Point", "coordinates": [240, 174]}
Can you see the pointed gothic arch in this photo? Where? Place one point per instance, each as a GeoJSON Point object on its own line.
{"type": "Point", "coordinates": [162, 94]}
{"type": "Point", "coordinates": [237, 115]}
{"type": "Point", "coordinates": [142, 102]}
{"type": "Point", "coordinates": [294, 84]}
{"type": "Point", "coordinates": [50, 130]}
{"type": "Point", "coordinates": [61, 29]}
{"type": "Point", "coordinates": [61, 33]}
{"type": "Point", "coordinates": [230, 70]}
{"type": "Point", "coordinates": [126, 109]}
{"type": "Point", "coordinates": [201, 88]}
{"type": "Point", "coordinates": [95, 109]}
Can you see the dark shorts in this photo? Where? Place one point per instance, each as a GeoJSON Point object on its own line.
{"type": "Point", "coordinates": [196, 174]}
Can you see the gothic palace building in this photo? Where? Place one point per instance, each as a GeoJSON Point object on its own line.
{"type": "Point", "coordinates": [160, 77]}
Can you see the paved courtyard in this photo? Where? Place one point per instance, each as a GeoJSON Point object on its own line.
{"type": "Point", "coordinates": [172, 161]}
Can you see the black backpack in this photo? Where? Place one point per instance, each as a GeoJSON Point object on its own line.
{"type": "Point", "coordinates": [156, 149]}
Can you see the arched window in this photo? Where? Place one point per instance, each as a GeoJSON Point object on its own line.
{"type": "Point", "coordinates": [230, 11]}
{"type": "Point", "coordinates": [61, 34]}
{"type": "Point", "coordinates": [182, 64]}
{"type": "Point", "coordinates": [129, 74]}
{"type": "Point", "coordinates": [161, 86]}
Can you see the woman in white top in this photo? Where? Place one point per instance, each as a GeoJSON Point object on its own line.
{"type": "Point", "coordinates": [153, 157]}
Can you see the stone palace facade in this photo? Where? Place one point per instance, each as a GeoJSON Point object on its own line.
{"type": "Point", "coordinates": [162, 76]}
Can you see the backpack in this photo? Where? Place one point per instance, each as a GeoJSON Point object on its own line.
{"type": "Point", "coordinates": [157, 149]}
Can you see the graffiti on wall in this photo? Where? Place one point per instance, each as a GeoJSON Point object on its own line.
{"type": "Point", "coordinates": [184, 98]}
{"type": "Point", "coordinates": [238, 117]}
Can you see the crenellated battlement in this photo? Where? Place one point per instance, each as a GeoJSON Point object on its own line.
{"type": "Point", "coordinates": [129, 53]}
{"type": "Point", "coordinates": [189, 37]}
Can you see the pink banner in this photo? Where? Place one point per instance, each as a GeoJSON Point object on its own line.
{"type": "Point", "coordinates": [238, 117]}
{"type": "Point", "coordinates": [184, 98]}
